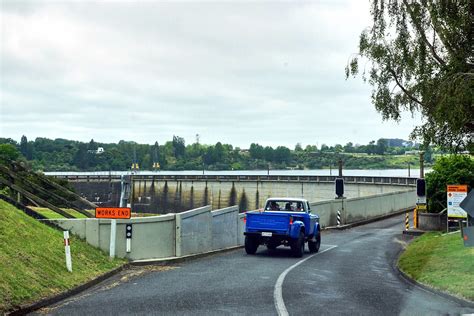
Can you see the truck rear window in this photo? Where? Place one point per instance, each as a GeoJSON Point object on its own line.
{"type": "Point", "coordinates": [284, 205]}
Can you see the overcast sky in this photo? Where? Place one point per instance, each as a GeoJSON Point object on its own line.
{"type": "Point", "coordinates": [236, 72]}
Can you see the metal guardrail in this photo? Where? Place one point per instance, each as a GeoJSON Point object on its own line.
{"type": "Point", "coordinates": [403, 181]}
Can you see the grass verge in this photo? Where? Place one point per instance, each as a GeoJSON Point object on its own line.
{"type": "Point", "coordinates": [32, 261]}
{"type": "Point", "coordinates": [441, 262]}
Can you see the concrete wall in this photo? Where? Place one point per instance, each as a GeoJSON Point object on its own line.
{"type": "Point", "coordinates": [158, 196]}
{"type": "Point", "coordinates": [194, 231]}
{"type": "Point", "coordinates": [163, 194]}
{"type": "Point", "coordinates": [358, 209]}
{"type": "Point", "coordinates": [225, 230]}
{"type": "Point", "coordinates": [170, 235]}
{"type": "Point", "coordinates": [153, 237]}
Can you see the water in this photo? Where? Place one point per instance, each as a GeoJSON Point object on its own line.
{"type": "Point", "coordinates": [414, 173]}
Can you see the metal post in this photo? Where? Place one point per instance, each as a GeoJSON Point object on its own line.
{"type": "Point", "coordinates": [422, 160]}
{"type": "Point", "coordinates": [340, 168]}
{"type": "Point", "coordinates": [415, 218]}
{"type": "Point", "coordinates": [409, 170]}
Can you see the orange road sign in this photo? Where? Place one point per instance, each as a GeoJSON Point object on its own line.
{"type": "Point", "coordinates": [113, 212]}
{"type": "Point", "coordinates": [457, 188]}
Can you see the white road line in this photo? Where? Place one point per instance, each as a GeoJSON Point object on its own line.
{"type": "Point", "coordinates": [278, 292]}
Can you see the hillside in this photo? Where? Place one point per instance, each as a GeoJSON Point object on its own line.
{"type": "Point", "coordinates": [44, 154]}
{"type": "Point", "coordinates": [32, 263]}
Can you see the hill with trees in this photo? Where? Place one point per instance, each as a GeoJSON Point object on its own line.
{"type": "Point", "coordinates": [44, 154]}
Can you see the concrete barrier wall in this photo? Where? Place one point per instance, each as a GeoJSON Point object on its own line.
{"type": "Point", "coordinates": [225, 230]}
{"type": "Point", "coordinates": [357, 209]}
{"type": "Point", "coordinates": [194, 231]}
{"type": "Point", "coordinates": [153, 237]}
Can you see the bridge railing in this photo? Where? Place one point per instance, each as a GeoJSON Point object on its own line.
{"type": "Point", "coordinates": [240, 178]}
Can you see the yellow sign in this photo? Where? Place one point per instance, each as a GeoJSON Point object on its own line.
{"type": "Point", "coordinates": [456, 193]}
{"type": "Point", "coordinates": [421, 207]}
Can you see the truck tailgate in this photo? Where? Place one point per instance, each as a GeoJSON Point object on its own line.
{"type": "Point", "coordinates": [267, 222]}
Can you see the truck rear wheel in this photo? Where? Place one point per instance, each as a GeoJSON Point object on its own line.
{"type": "Point", "coordinates": [297, 247]}
{"type": "Point", "coordinates": [314, 243]}
{"type": "Point", "coordinates": [251, 245]}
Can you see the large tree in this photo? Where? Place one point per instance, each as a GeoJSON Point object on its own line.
{"type": "Point", "coordinates": [421, 59]}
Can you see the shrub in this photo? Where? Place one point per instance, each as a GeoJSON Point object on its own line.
{"type": "Point", "coordinates": [453, 169]}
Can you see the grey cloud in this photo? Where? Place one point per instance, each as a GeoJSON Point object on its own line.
{"type": "Point", "coordinates": [145, 71]}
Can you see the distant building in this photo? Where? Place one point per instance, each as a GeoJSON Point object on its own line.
{"type": "Point", "coordinates": [413, 152]}
{"type": "Point", "coordinates": [98, 151]}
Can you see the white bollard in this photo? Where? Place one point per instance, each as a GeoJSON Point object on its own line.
{"type": "Point", "coordinates": [338, 218]}
{"type": "Point", "coordinates": [113, 234]}
{"type": "Point", "coordinates": [67, 249]}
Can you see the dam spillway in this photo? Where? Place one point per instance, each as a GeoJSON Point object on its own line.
{"type": "Point", "coordinates": [161, 194]}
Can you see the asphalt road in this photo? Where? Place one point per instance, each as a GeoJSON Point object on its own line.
{"type": "Point", "coordinates": [352, 275]}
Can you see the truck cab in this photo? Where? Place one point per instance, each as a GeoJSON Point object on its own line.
{"type": "Point", "coordinates": [283, 222]}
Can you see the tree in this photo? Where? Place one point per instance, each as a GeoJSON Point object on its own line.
{"type": "Point", "coordinates": [178, 146]}
{"type": "Point", "coordinates": [282, 154]}
{"type": "Point", "coordinates": [381, 146]}
{"type": "Point", "coordinates": [256, 151]}
{"type": "Point", "coordinates": [24, 146]}
{"type": "Point", "coordinates": [349, 147]}
{"type": "Point", "coordinates": [92, 145]}
{"type": "Point", "coordinates": [421, 60]}
{"type": "Point", "coordinates": [8, 153]}
{"type": "Point", "coordinates": [454, 169]}
{"type": "Point", "coordinates": [268, 153]}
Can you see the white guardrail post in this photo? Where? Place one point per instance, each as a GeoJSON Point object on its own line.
{"type": "Point", "coordinates": [67, 249]}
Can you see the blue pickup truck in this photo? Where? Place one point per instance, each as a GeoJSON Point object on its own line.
{"type": "Point", "coordinates": [283, 221]}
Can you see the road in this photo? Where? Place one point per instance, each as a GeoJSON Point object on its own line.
{"type": "Point", "coordinates": [352, 274]}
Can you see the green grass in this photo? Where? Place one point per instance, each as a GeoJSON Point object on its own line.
{"type": "Point", "coordinates": [32, 261]}
{"type": "Point", "coordinates": [442, 262]}
{"type": "Point", "coordinates": [53, 215]}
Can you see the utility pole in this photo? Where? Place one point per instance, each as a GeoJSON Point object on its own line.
{"type": "Point", "coordinates": [340, 168]}
{"type": "Point", "coordinates": [422, 160]}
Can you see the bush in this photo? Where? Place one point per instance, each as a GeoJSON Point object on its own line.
{"type": "Point", "coordinates": [8, 153]}
{"type": "Point", "coordinates": [454, 169]}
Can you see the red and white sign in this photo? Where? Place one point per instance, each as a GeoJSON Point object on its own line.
{"type": "Point", "coordinates": [456, 193]}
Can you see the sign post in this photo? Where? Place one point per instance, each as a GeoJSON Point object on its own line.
{"type": "Point", "coordinates": [128, 237]}
{"type": "Point", "coordinates": [456, 194]}
{"type": "Point", "coordinates": [113, 213]}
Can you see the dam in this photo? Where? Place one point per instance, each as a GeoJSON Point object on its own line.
{"type": "Point", "coordinates": [161, 194]}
